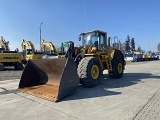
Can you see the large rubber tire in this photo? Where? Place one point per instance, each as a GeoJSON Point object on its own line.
{"type": "Point", "coordinates": [89, 71]}
{"type": "Point", "coordinates": [117, 68]}
{"type": "Point", "coordinates": [18, 66]}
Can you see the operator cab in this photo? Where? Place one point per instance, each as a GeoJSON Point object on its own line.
{"type": "Point", "coordinates": [95, 38]}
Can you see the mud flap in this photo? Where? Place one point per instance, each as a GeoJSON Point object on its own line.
{"type": "Point", "coordinates": [51, 79]}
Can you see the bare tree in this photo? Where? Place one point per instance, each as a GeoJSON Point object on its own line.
{"type": "Point", "coordinates": [122, 46]}
{"type": "Point", "coordinates": [149, 52]}
{"type": "Point", "coordinates": [139, 49]}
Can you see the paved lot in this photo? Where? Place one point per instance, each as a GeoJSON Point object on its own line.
{"type": "Point", "coordinates": [151, 110]}
{"type": "Point", "coordinates": [135, 96]}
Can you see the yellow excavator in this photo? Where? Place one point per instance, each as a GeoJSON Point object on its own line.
{"type": "Point", "coordinates": [48, 49]}
{"type": "Point", "coordinates": [29, 52]}
{"type": "Point", "coordinates": [53, 79]}
{"type": "Point", "coordinates": [9, 58]}
{"type": "Point", "coordinates": [50, 45]}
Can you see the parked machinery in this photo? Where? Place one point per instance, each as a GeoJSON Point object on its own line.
{"type": "Point", "coordinates": [53, 79]}
{"type": "Point", "coordinates": [49, 50]}
{"type": "Point", "coordinates": [155, 56]}
{"type": "Point", "coordinates": [50, 45]}
{"type": "Point", "coordinates": [9, 58]}
{"type": "Point", "coordinates": [147, 56]}
{"type": "Point", "coordinates": [138, 56]}
{"type": "Point", "coordinates": [129, 56]}
{"type": "Point", "coordinates": [29, 52]}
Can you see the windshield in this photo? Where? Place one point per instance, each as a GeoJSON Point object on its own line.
{"type": "Point", "coordinates": [90, 39]}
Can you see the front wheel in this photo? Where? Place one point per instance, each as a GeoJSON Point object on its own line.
{"type": "Point", "coordinates": [89, 71]}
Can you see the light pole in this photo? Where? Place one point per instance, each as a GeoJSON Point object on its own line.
{"type": "Point", "coordinates": [40, 36]}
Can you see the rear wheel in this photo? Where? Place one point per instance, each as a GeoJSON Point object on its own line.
{"type": "Point", "coordinates": [89, 71]}
{"type": "Point", "coordinates": [117, 68]}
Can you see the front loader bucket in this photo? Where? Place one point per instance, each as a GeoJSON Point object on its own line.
{"type": "Point", "coordinates": [51, 79]}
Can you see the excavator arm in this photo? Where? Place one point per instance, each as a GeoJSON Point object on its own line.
{"type": "Point", "coordinates": [4, 44]}
{"type": "Point", "coordinates": [27, 44]}
{"type": "Point", "coordinates": [50, 45]}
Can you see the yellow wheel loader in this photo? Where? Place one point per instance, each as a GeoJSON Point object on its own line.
{"type": "Point", "coordinates": [53, 79]}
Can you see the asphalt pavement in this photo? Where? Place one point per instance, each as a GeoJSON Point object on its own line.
{"type": "Point", "coordinates": [133, 97]}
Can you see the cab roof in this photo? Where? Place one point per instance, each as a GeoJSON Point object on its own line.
{"type": "Point", "coordinates": [94, 31]}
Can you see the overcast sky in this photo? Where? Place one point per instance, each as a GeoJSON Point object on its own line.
{"type": "Point", "coordinates": [64, 20]}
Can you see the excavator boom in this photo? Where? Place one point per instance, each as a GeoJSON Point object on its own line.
{"type": "Point", "coordinates": [4, 44]}
{"type": "Point", "coordinates": [50, 45]}
{"type": "Point", "coordinates": [28, 44]}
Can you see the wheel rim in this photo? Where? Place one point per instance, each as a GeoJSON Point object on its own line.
{"type": "Point", "coordinates": [120, 68]}
{"type": "Point", "coordinates": [94, 71]}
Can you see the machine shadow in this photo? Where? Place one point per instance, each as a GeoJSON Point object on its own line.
{"type": "Point", "coordinates": [107, 83]}
{"type": "Point", "coordinates": [85, 93]}
{"type": "Point", "coordinates": [128, 79]}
